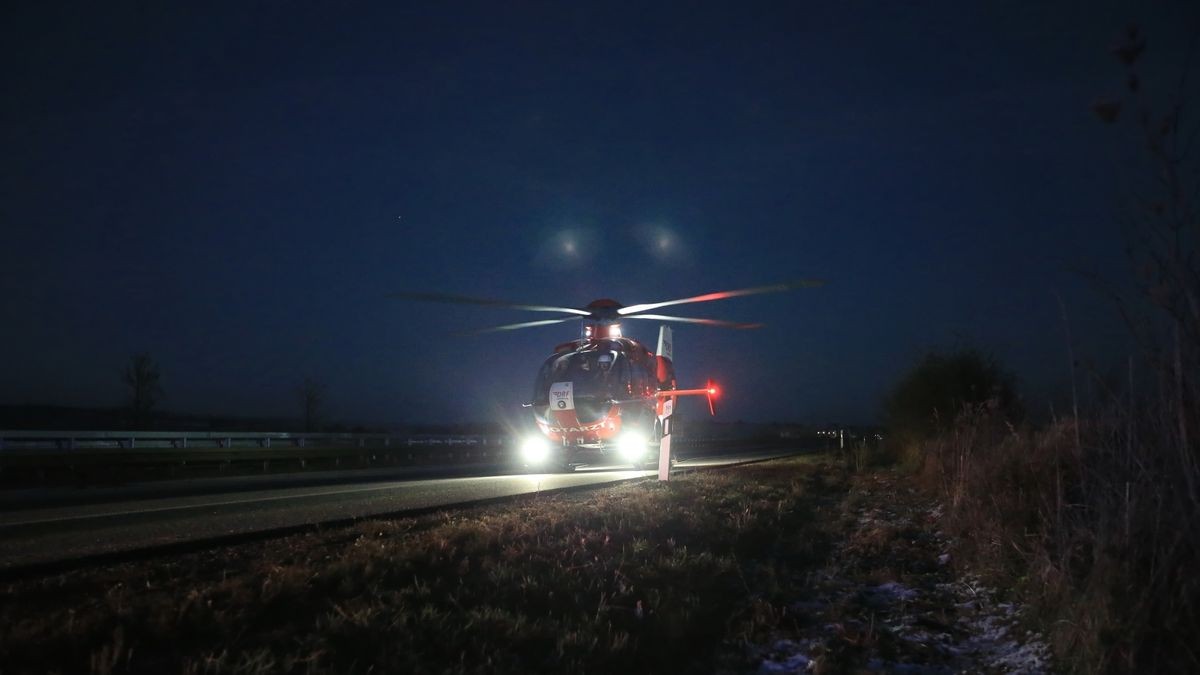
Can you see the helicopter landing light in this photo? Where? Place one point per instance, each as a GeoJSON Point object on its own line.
{"type": "Point", "coordinates": [535, 450]}
{"type": "Point", "coordinates": [631, 446]}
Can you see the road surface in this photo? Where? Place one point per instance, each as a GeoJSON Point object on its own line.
{"type": "Point", "coordinates": [164, 516]}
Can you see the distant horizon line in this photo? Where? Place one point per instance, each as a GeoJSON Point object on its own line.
{"type": "Point", "coordinates": [118, 411]}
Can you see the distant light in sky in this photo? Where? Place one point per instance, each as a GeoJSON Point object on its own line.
{"type": "Point", "coordinates": [567, 247]}
{"type": "Point", "coordinates": [661, 242]}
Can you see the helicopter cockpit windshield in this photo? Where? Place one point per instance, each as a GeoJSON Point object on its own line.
{"type": "Point", "coordinates": [599, 374]}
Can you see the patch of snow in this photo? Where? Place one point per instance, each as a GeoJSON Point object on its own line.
{"type": "Point", "coordinates": [892, 590]}
{"type": "Point", "coordinates": [991, 641]}
{"type": "Point", "coordinates": [990, 635]}
{"type": "Point", "coordinates": [788, 656]}
{"type": "Point", "coordinates": [881, 666]}
{"type": "Point", "coordinates": [938, 628]}
{"type": "Point", "coordinates": [796, 663]}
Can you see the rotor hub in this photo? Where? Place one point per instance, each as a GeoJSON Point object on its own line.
{"type": "Point", "coordinates": [604, 310]}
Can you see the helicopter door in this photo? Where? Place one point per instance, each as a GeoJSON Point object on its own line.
{"type": "Point", "coordinates": [562, 396]}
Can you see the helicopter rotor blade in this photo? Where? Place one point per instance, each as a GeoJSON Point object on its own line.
{"type": "Point", "coordinates": [517, 326]}
{"type": "Point", "coordinates": [722, 295]}
{"type": "Point", "coordinates": [464, 300]}
{"type": "Point", "coordinates": [706, 322]}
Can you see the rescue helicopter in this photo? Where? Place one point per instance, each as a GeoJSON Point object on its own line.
{"type": "Point", "coordinates": [604, 394]}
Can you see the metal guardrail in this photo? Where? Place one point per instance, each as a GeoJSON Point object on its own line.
{"type": "Point", "coordinates": [29, 458]}
{"type": "Point", "coordinates": [67, 441]}
{"type": "Point", "coordinates": [145, 440]}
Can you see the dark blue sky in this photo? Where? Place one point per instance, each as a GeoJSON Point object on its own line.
{"type": "Point", "coordinates": [236, 191]}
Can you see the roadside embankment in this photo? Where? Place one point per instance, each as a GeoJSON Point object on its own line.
{"type": "Point", "coordinates": [788, 565]}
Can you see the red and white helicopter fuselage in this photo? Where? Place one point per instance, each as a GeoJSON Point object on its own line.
{"type": "Point", "coordinates": [604, 394]}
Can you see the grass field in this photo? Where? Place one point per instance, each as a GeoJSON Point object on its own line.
{"type": "Point", "coordinates": [776, 566]}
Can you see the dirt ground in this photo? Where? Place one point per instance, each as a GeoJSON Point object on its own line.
{"type": "Point", "coordinates": [891, 598]}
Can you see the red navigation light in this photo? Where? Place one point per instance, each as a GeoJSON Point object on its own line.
{"type": "Point", "coordinates": [712, 394]}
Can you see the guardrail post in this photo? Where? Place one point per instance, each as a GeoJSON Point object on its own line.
{"type": "Point", "coordinates": [299, 442]}
{"type": "Point", "coordinates": [266, 442]}
{"type": "Point", "coordinates": [131, 442]}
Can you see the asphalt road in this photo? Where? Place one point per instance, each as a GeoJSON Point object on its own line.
{"type": "Point", "coordinates": [165, 516]}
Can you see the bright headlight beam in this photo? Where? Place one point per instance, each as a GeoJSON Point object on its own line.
{"type": "Point", "coordinates": [535, 450]}
{"type": "Point", "coordinates": [631, 446]}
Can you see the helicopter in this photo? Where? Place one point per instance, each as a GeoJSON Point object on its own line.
{"type": "Point", "coordinates": [603, 393]}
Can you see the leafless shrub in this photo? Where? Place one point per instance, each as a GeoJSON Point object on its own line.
{"type": "Point", "coordinates": [312, 399]}
{"type": "Point", "coordinates": [1101, 535]}
{"type": "Point", "coordinates": [144, 380]}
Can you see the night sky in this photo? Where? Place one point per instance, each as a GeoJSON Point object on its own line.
{"type": "Point", "coordinates": [237, 191]}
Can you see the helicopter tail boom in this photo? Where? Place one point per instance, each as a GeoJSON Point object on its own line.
{"type": "Point", "coordinates": [710, 391]}
{"type": "Point", "coordinates": [666, 373]}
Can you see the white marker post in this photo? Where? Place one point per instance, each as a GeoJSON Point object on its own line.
{"type": "Point", "coordinates": [664, 444]}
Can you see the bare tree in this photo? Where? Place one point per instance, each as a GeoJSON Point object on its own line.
{"type": "Point", "coordinates": [1143, 469]}
{"type": "Point", "coordinates": [1163, 226]}
{"type": "Point", "coordinates": [145, 389]}
{"type": "Point", "coordinates": [312, 396]}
